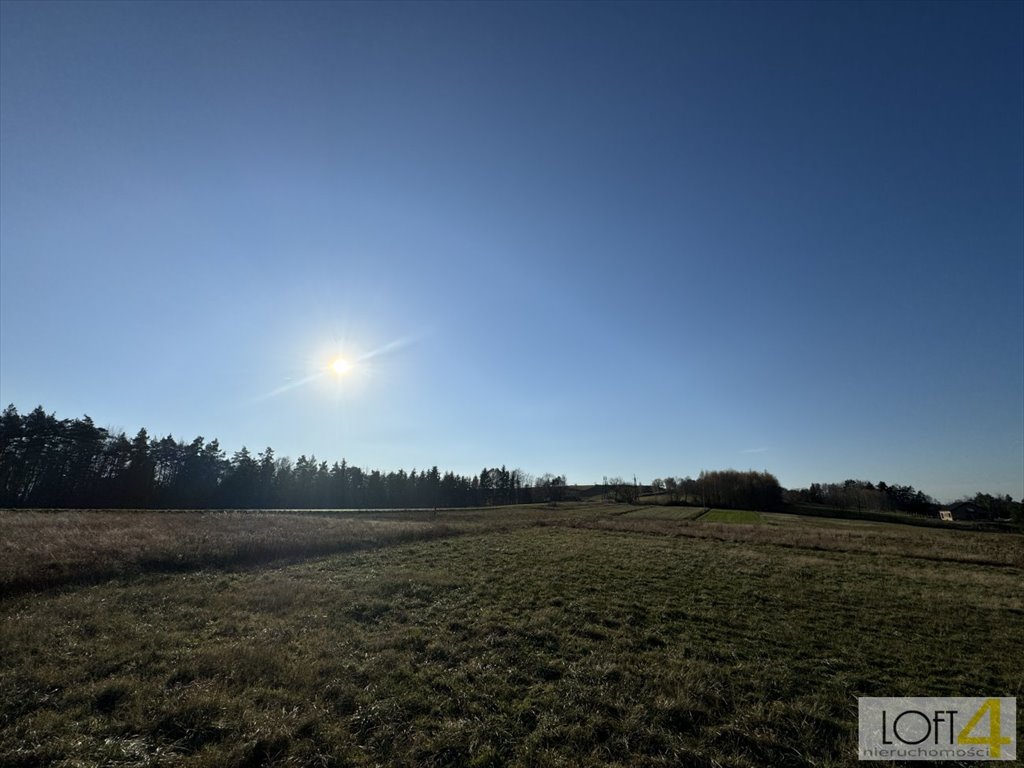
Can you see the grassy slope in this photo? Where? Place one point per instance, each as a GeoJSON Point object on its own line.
{"type": "Point", "coordinates": [595, 639]}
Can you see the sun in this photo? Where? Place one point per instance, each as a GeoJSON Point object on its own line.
{"type": "Point", "coordinates": [340, 366]}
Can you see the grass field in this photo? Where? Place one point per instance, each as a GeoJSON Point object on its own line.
{"type": "Point", "coordinates": [582, 635]}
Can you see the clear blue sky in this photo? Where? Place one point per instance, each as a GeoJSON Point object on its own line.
{"type": "Point", "coordinates": [591, 239]}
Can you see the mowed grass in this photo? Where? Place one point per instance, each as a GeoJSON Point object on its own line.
{"type": "Point", "coordinates": [731, 516]}
{"type": "Point", "coordinates": [655, 512]}
{"type": "Point", "coordinates": [578, 642]}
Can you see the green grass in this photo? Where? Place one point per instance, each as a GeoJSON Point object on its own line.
{"type": "Point", "coordinates": [731, 516]}
{"type": "Point", "coordinates": [567, 637]}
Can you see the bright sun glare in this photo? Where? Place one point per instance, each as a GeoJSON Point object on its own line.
{"type": "Point", "coordinates": [340, 366]}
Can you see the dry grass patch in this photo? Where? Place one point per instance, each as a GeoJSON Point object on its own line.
{"type": "Point", "coordinates": [44, 549]}
{"type": "Point", "coordinates": [40, 549]}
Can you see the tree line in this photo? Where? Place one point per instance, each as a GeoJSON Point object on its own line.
{"type": "Point", "coordinates": [725, 488]}
{"type": "Point", "coordinates": [49, 462]}
{"type": "Point", "coordinates": [760, 490]}
{"type": "Point", "coordinates": [863, 494]}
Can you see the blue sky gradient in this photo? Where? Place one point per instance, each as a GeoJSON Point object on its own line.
{"type": "Point", "coordinates": [592, 239]}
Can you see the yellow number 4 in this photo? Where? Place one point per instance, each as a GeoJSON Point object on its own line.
{"type": "Point", "coordinates": [995, 738]}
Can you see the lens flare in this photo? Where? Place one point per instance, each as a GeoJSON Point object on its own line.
{"type": "Point", "coordinates": [354, 369]}
{"type": "Point", "coordinates": [340, 366]}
